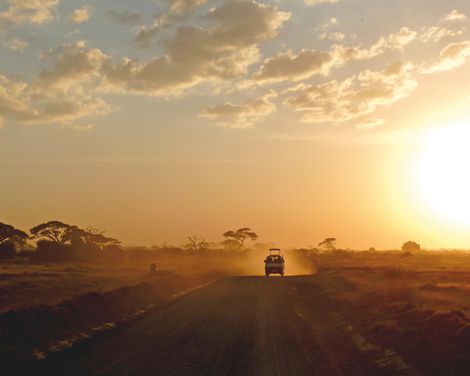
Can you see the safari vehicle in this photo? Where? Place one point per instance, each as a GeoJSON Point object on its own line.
{"type": "Point", "coordinates": [274, 263]}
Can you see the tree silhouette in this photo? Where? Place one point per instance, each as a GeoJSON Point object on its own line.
{"type": "Point", "coordinates": [196, 243]}
{"type": "Point", "coordinates": [54, 231]}
{"type": "Point", "coordinates": [62, 233]}
{"type": "Point", "coordinates": [236, 239]}
{"type": "Point", "coordinates": [410, 246]}
{"type": "Point", "coordinates": [9, 234]}
{"type": "Point", "coordinates": [329, 244]}
{"type": "Point", "coordinates": [95, 237]}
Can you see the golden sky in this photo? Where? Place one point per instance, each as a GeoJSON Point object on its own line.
{"type": "Point", "coordinates": [157, 119]}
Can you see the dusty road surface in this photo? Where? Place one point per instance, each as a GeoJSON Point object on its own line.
{"type": "Point", "coordinates": [236, 326]}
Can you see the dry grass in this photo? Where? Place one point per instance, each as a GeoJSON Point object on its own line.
{"type": "Point", "coordinates": [437, 281]}
{"type": "Point", "coordinates": [23, 285]}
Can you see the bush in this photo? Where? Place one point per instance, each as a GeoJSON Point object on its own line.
{"type": "Point", "coordinates": [7, 250]}
{"type": "Point", "coordinates": [410, 246]}
{"type": "Point", "coordinates": [52, 251]}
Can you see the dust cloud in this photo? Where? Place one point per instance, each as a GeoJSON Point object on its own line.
{"type": "Point", "coordinates": [252, 263]}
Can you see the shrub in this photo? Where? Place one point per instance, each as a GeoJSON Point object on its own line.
{"type": "Point", "coordinates": [7, 250]}
{"type": "Point", "coordinates": [52, 251]}
{"type": "Point", "coordinates": [410, 246]}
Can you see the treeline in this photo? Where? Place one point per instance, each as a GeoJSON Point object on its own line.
{"type": "Point", "coordinates": [59, 241]}
{"type": "Point", "coordinates": [55, 240]}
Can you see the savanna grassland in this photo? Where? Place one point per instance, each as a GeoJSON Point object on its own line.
{"type": "Point", "coordinates": [383, 312]}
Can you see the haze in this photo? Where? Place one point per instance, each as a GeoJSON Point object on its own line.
{"type": "Point", "coordinates": [302, 120]}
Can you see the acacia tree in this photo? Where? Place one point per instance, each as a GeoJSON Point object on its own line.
{"type": "Point", "coordinates": [96, 237]}
{"type": "Point", "coordinates": [329, 244]}
{"type": "Point", "coordinates": [9, 234]}
{"type": "Point", "coordinates": [62, 233]}
{"type": "Point", "coordinates": [196, 243]}
{"type": "Point", "coordinates": [54, 231]}
{"type": "Point", "coordinates": [236, 239]}
{"type": "Point", "coordinates": [410, 246]}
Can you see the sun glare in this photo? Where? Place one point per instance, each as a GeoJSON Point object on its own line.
{"type": "Point", "coordinates": [444, 172]}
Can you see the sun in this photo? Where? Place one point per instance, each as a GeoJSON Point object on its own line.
{"type": "Point", "coordinates": [444, 172]}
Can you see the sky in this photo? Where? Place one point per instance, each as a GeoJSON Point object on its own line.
{"type": "Point", "coordinates": [158, 119]}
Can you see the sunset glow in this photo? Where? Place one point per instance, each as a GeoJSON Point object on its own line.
{"type": "Point", "coordinates": [155, 120]}
{"type": "Point", "coordinates": [235, 187]}
{"type": "Point", "coordinates": [444, 175]}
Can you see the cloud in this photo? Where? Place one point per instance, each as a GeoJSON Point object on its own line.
{"type": "Point", "coordinates": [341, 101]}
{"type": "Point", "coordinates": [241, 116]}
{"type": "Point", "coordinates": [452, 56]}
{"type": "Point", "coordinates": [63, 92]}
{"type": "Point", "coordinates": [337, 36]}
{"type": "Point", "coordinates": [316, 2]}
{"type": "Point", "coordinates": [29, 11]}
{"type": "Point", "coordinates": [64, 112]}
{"type": "Point", "coordinates": [73, 33]}
{"type": "Point", "coordinates": [454, 16]}
{"type": "Point", "coordinates": [177, 11]}
{"type": "Point", "coordinates": [179, 7]}
{"type": "Point", "coordinates": [435, 34]}
{"type": "Point", "coordinates": [12, 96]}
{"type": "Point", "coordinates": [289, 66]}
{"type": "Point", "coordinates": [75, 76]}
{"type": "Point", "coordinates": [394, 41]}
{"type": "Point", "coordinates": [370, 123]}
{"type": "Point", "coordinates": [401, 39]}
{"type": "Point", "coordinates": [307, 63]}
{"type": "Point", "coordinates": [82, 14]}
{"type": "Point", "coordinates": [331, 22]}
{"type": "Point", "coordinates": [71, 66]}
{"type": "Point", "coordinates": [16, 44]}
{"type": "Point", "coordinates": [196, 55]}
{"type": "Point", "coordinates": [128, 17]}
{"type": "Point", "coordinates": [146, 35]}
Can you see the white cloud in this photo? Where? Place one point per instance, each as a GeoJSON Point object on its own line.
{"type": "Point", "coordinates": [177, 11]}
{"type": "Point", "coordinates": [307, 63]}
{"type": "Point", "coordinates": [454, 16]}
{"type": "Point", "coordinates": [370, 123]}
{"type": "Point", "coordinates": [336, 36]}
{"type": "Point", "coordinates": [452, 56]}
{"type": "Point", "coordinates": [179, 7]}
{"type": "Point", "coordinates": [73, 33]}
{"type": "Point", "coordinates": [435, 34]}
{"type": "Point", "coordinates": [12, 96]}
{"type": "Point", "coordinates": [341, 101]}
{"type": "Point", "coordinates": [316, 2]}
{"type": "Point", "coordinates": [241, 116]}
{"type": "Point", "coordinates": [331, 22]}
{"type": "Point", "coordinates": [71, 66]}
{"type": "Point", "coordinates": [402, 38]}
{"type": "Point", "coordinates": [82, 15]}
{"type": "Point", "coordinates": [16, 44]}
{"type": "Point", "coordinates": [62, 94]}
{"type": "Point", "coordinates": [67, 90]}
{"type": "Point", "coordinates": [290, 66]}
{"type": "Point", "coordinates": [196, 54]}
{"type": "Point", "coordinates": [64, 112]}
{"type": "Point", "coordinates": [29, 11]}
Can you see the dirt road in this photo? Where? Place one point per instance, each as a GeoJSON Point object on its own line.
{"type": "Point", "coordinates": [236, 326]}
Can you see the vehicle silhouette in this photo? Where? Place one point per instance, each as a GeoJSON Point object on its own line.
{"type": "Point", "coordinates": [274, 263]}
